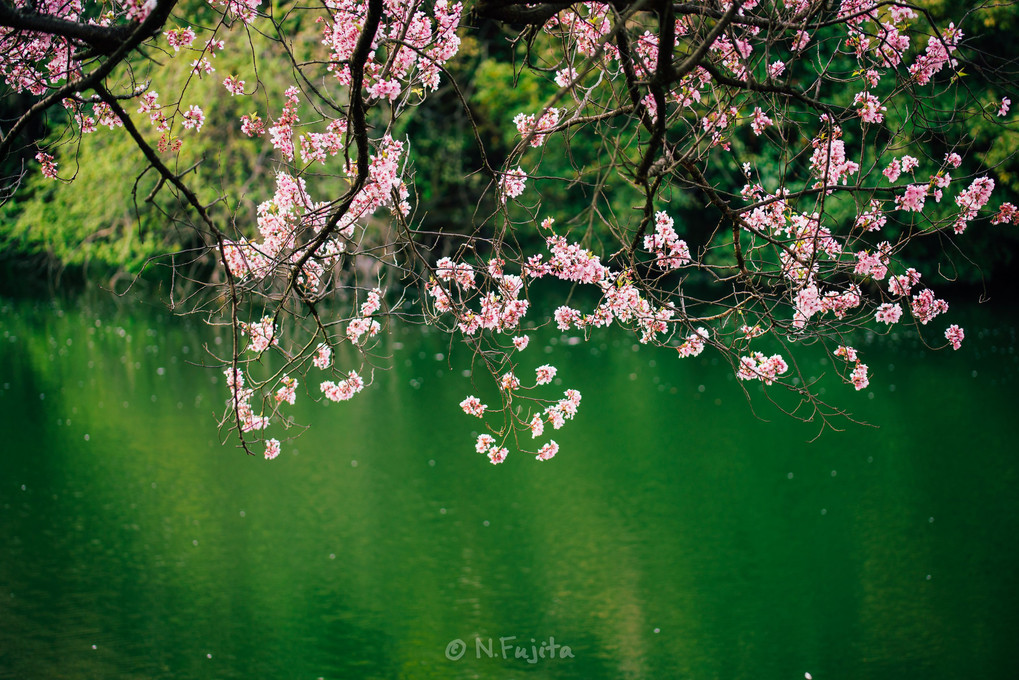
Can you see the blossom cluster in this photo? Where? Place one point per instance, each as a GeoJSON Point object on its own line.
{"type": "Point", "coordinates": [858, 377]}
{"type": "Point", "coordinates": [757, 366]}
{"type": "Point", "coordinates": [670, 251]}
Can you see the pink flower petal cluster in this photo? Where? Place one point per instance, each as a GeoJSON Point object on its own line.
{"type": "Point", "coordinates": [344, 390]}
{"type": "Point", "coordinates": [563, 410]}
{"type": "Point", "coordinates": [760, 121]}
{"type": "Point", "coordinates": [869, 108]}
{"type": "Point", "coordinates": [194, 118]}
{"type": "Point", "coordinates": [460, 273]}
{"type": "Point", "coordinates": [418, 45]}
{"type": "Point", "coordinates": [829, 163]}
{"type": "Point", "coordinates": [272, 449]}
{"type": "Point", "coordinates": [320, 146]}
{"type": "Point", "coordinates": [955, 335]}
{"type": "Point", "coordinates": [536, 425]}
{"type": "Point", "coordinates": [509, 382]}
{"type": "Point", "coordinates": [240, 402]}
{"type": "Point", "coordinates": [873, 219]}
{"type": "Point", "coordinates": [512, 184]}
{"type": "Point", "coordinates": [287, 391]}
{"type": "Point", "coordinates": [913, 199]}
{"type": "Point", "coordinates": [49, 166]}
{"type": "Point", "coordinates": [179, 38]}
{"type": "Point", "coordinates": [901, 285]}
{"type": "Point", "coordinates": [323, 356]}
{"type": "Point", "coordinates": [548, 451]}
{"type": "Point", "coordinates": [472, 406]}
{"type": "Point", "coordinates": [873, 264]}
{"type": "Point", "coordinates": [359, 327]}
{"type": "Point", "coordinates": [281, 134]}
{"type": "Point", "coordinates": [670, 251]}
{"type": "Point", "coordinates": [533, 131]}
{"type": "Point", "coordinates": [233, 85]}
{"type": "Point", "coordinates": [1007, 214]}
{"type": "Point", "coordinates": [757, 366]}
{"type": "Point", "coordinates": [544, 374]}
{"type": "Point", "coordinates": [694, 343]}
{"type": "Point", "coordinates": [263, 334]}
{"type": "Point", "coordinates": [858, 378]}
{"type": "Point", "coordinates": [252, 125]}
{"type": "Point", "coordinates": [971, 200]}
{"type": "Point", "coordinates": [925, 306]}
{"type": "Point", "coordinates": [888, 313]}
{"type": "Point", "coordinates": [937, 55]}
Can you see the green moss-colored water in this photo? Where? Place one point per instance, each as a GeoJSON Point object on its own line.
{"type": "Point", "coordinates": [674, 536]}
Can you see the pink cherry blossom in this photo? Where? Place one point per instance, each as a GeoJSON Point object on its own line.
{"type": "Point", "coordinates": [49, 166]}
{"type": "Point", "coordinates": [1007, 213]}
{"type": "Point", "coordinates": [888, 313]}
{"type": "Point", "coordinates": [548, 451]}
{"type": "Point", "coordinates": [925, 306]}
{"type": "Point", "coordinates": [529, 129]}
{"type": "Point", "coordinates": [859, 377]}
{"type": "Point", "coordinates": [847, 353]}
{"type": "Point", "coordinates": [565, 76]}
{"type": "Point", "coordinates": [262, 333]}
{"type": "Point", "coordinates": [272, 448]}
{"type": "Point", "coordinates": [252, 125]}
{"type": "Point", "coordinates": [288, 390]}
{"type": "Point", "coordinates": [537, 426]}
{"type": "Point", "coordinates": [757, 366]}
{"type": "Point", "coordinates": [760, 121]}
{"type": "Point", "coordinates": [972, 200]}
{"type": "Point", "coordinates": [472, 406]}
{"type": "Point", "coordinates": [178, 38]}
{"type": "Point", "coordinates": [545, 374]}
{"type": "Point", "coordinates": [233, 85]}
{"type": "Point", "coordinates": [512, 184]}
{"type": "Point", "coordinates": [670, 251]}
{"type": "Point", "coordinates": [901, 285]}
{"type": "Point", "coordinates": [893, 170]}
{"type": "Point", "coordinates": [869, 107]}
{"type": "Point", "coordinates": [194, 118]}
{"type": "Point", "coordinates": [509, 382]}
{"type": "Point", "coordinates": [955, 335]}
{"type": "Point", "coordinates": [323, 356]}
{"type": "Point", "coordinates": [913, 199]}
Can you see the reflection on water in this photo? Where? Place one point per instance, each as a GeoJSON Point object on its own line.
{"type": "Point", "coordinates": [675, 535]}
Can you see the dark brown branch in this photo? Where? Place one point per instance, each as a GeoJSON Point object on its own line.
{"type": "Point", "coordinates": [102, 39]}
{"type": "Point", "coordinates": [153, 158]}
{"type": "Point", "coordinates": [358, 126]}
{"type": "Point", "coordinates": [520, 13]}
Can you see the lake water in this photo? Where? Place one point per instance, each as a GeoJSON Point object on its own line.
{"type": "Point", "coordinates": [676, 535]}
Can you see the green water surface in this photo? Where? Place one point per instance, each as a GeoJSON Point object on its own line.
{"type": "Point", "coordinates": [676, 535]}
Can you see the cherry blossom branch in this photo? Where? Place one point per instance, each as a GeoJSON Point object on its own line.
{"type": "Point", "coordinates": [148, 27]}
